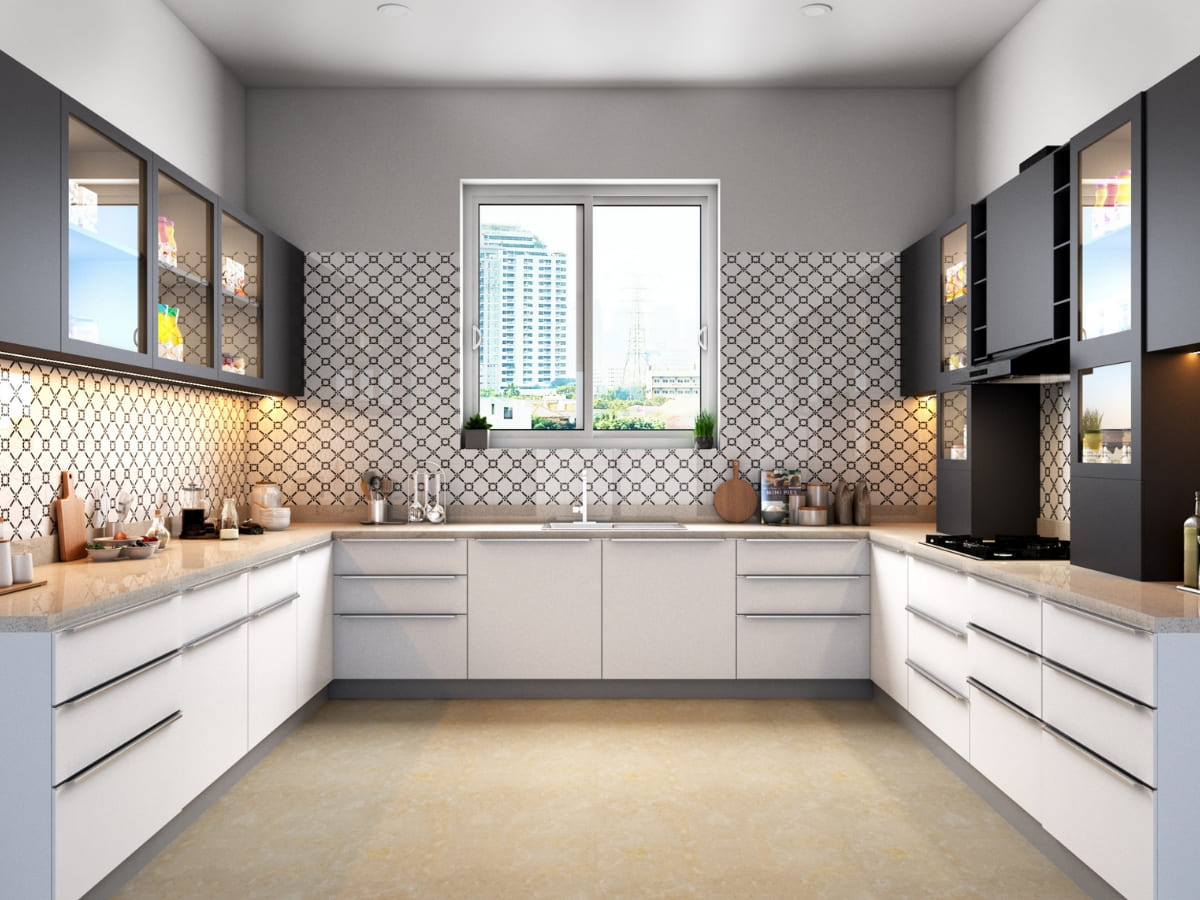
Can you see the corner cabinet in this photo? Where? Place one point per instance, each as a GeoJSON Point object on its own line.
{"type": "Point", "coordinates": [114, 257]}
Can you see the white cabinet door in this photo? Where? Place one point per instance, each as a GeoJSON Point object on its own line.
{"type": "Point", "coordinates": [669, 608]}
{"type": "Point", "coordinates": [314, 622]}
{"type": "Point", "coordinates": [272, 668]}
{"type": "Point", "coordinates": [214, 723]}
{"type": "Point", "coordinates": [810, 646]}
{"type": "Point", "coordinates": [418, 646]}
{"type": "Point", "coordinates": [889, 622]}
{"type": "Point", "coordinates": [939, 591]}
{"type": "Point", "coordinates": [1006, 747]}
{"type": "Point", "coordinates": [534, 609]}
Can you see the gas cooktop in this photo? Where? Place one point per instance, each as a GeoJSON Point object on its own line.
{"type": "Point", "coordinates": [1002, 546]}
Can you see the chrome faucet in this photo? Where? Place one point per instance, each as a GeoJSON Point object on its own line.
{"type": "Point", "coordinates": [582, 507]}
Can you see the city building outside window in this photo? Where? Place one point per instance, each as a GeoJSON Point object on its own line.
{"type": "Point", "coordinates": [590, 311]}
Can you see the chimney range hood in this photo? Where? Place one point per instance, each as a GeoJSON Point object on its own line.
{"type": "Point", "coordinates": [1040, 364]}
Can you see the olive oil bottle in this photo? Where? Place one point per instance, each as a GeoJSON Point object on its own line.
{"type": "Point", "coordinates": [1191, 556]}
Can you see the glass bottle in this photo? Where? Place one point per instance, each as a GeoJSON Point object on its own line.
{"type": "Point", "coordinates": [416, 509]}
{"type": "Point", "coordinates": [158, 529]}
{"type": "Point", "coordinates": [1191, 552]}
{"type": "Point", "coordinates": [435, 513]}
{"type": "Point", "coordinates": [229, 520]}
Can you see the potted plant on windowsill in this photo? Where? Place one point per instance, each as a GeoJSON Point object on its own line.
{"type": "Point", "coordinates": [475, 433]}
{"type": "Point", "coordinates": [706, 424]}
{"type": "Point", "coordinates": [1089, 430]}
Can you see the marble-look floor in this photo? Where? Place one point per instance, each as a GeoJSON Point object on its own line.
{"type": "Point", "coordinates": [600, 798]}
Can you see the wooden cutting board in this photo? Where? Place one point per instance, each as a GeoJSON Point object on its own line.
{"type": "Point", "coordinates": [735, 500]}
{"type": "Point", "coordinates": [72, 531]}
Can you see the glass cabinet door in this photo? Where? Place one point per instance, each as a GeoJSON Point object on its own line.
{"type": "Point", "coordinates": [954, 299]}
{"type": "Point", "coordinates": [953, 412]}
{"type": "Point", "coordinates": [1105, 234]}
{"type": "Point", "coordinates": [1105, 414]}
{"type": "Point", "coordinates": [241, 296]}
{"type": "Point", "coordinates": [185, 260]}
{"type": "Point", "coordinates": [106, 196]}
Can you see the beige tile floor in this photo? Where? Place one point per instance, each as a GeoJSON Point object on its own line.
{"type": "Point", "coordinates": [600, 798]}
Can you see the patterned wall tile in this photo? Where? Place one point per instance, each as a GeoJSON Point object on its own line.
{"type": "Point", "coordinates": [1056, 453]}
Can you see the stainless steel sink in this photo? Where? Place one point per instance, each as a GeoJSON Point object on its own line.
{"type": "Point", "coordinates": [614, 526]}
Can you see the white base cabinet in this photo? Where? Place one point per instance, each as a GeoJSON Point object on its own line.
{"type": "Point", "coordinates": [889, 622]}
{"type": "Point", "coordinates": [314, 622]}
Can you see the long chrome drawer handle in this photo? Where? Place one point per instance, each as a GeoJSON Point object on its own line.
{"type": "Point", "coordinates": [1011, 645]}
{"type": "Point", "coordinates": [1088, 754]}
{"type": "Point", "coordinates": [398, 540]}
{"type": "Point", "coordinates": [213, 635]}
{"type": "Point", "coordinates": [213, 581]}
{"type": "Point", "coordinates": [802, 577]}
{"type": "Point", "coordinates": [935, 681]}
{"type": "Point", "coordinates": [84, 626]}
{"type": "Point", "coordinates": [949, 629]}
{"type": "Point", "coordinates": [399, 615]}
{"type": "Point", "coordinates": [801, 615]}
{"type": "Point", "coordinates": [686, 540]}
{"type": "Point", "coordinates": [401, 577]}
{"type": "Point", "coordinates": [1107, 620]}
{"type": "Point", "coordinates": [272, 607]}
{"type": "Point", "coordinates": [806, 540]}
{"type": "Point", "coordinates": [533, 540]}
{"type": "Point", "coordinates": [1002, 700]}
{"type": "Point", "coordinates": [1131, 702]}
{"type": "Point", "coordinates": [114, 755]}
{"type": "Point", "coordinates": [1007, 588]}
{"type": "Point", "coordinates": [119, 680]}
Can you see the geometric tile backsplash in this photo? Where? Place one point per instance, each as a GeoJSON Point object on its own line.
{"type": "Point", "coordinates": [809, 370]}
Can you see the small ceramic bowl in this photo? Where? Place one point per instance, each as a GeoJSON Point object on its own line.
{"type": "Point", "coordinates": [137, 552]}
{"type": "Point", "coordinates": [115, 542]}
{"type": "Point", "coordinates": [106, 554]}
{"type": "Point", "coordinates": [275, 519]}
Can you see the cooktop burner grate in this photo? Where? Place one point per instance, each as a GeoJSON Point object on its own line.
{"type": "Point", "coordinates": [1002, 546]}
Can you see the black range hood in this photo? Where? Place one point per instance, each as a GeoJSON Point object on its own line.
{"type": "Point", "coordinates": [1039, 364]}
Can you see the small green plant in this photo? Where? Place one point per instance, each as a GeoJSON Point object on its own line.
{"type": "Point", "coordinates": [1090, 419]}
{"type": "Point", "coordinates": [706, 424]}
{"type": "Point", "coordinates": [476, 422]}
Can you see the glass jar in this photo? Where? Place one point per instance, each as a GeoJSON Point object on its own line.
{"type": "Point", "coordinates": [229, 520]}
{"type": "Point", "coordinates": [158, 529]}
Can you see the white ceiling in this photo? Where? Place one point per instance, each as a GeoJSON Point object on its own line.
{"type": "Point", "coordinates": [343, 43]}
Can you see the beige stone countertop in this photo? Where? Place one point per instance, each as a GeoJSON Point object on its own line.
{"type": "Point", "coordinates": [79, 591]}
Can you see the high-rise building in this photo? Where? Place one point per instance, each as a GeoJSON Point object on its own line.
{"type": "Point", "coordinates": [523, 310]}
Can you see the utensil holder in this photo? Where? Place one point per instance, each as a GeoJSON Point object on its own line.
{"type": "Point", "coordinates": [377, 511]}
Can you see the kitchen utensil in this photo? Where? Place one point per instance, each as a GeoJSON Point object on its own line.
{"type": "Point", "coordinates": [12, 589]}
{"type": "Point", "coordinates": [72, 533]}
{"type": "Point", "coordinates": [416, 509]}
{"type": "Point", "coordinates": [372, 482]}
{"type": "Point", "coordinates": [124, 504]}
{"type": "Point", "coordinates": [735, 500]}
{"type": "Point", "coordinates": [435, 513]}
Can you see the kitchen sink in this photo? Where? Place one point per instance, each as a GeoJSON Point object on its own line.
{"type": "Point", "coordinates": [614, 526]}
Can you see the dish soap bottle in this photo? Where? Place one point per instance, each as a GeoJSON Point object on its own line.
{"type": "Point", "coordinates": [1191, 556]}
{"type": "Point", "coordinates": [229, 521]}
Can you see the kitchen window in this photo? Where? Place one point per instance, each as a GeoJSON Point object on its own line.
{"type": "Point", "coordinates": [620, 338]}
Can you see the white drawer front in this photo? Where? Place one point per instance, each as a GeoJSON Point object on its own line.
{"type": "Point", "coordinates": [804, 647]}
{"type": "Point", "coordinates": [1005, 611]}
{"type": "Point", "coordinates": [400, 647]}
{"type": "Point", "coordinates": [400, 594]}
{"type": "Point", "coordinates": [1013, 672]}
{"type": "Point", "coordinates": [99, 651]}
{"type": "Point", "coordinates": [100, 818]}
{"type": "Point", "coordinates": [1119, 656]}
{"type": "Point", "coordinates": [97, 723]}
{"type": "Point", "coordinates": [212, 606]}
{"type": "Point", "coordinates": [804, 594]}
{"type": "Point", "coordinates": [803, 557]}
{"type": "Point", "coordinates": [1117, 729]}
{"type": "Point", "coordinates": [938, 591]}
{"type": "Point", "coordinates": [1006, 748]}
{"type": "Point", "coordinates": [1099, 816]}
{"type": "Point", "coordinates": [271, 583]}
{"type": "Point", "coordinates": [944, 714]}
{"type": "Point", "coordinates": [417, 556]}
{"type": "Point", "coordinates": [938, 652]}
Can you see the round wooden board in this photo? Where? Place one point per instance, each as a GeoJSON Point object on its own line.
{"type": "Point", "coordinates": [735, 500]}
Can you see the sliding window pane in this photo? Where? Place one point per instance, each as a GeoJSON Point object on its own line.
{"type": "Point", "coordinates": [645, 317]}
{"type": "Point", "coordinates": [528, 353]}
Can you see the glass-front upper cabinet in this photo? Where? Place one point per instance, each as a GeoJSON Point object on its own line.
{"type": "Point", "coordinates": [954, 319]}
{"type": "Point", "coordinates": [1106, 414]}
{"type": "Point", "coordinates": [241, 299]}
{"type": "Point", "coordinates": [106, 251]}
{"type": "Point", "coordinates": [1106, 190]}
{"type": "Point", "coordinates": [185, 320]}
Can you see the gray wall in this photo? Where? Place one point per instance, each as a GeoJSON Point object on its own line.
{"type": "Point", "coordinates": [822, 169]}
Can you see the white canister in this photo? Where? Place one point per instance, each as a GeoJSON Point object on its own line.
{"type": "Point", "coordinates": [6, 573]}
{"type": "Point", "coordinates": [267, 494]}
{"type": "Point", "coordinates": [22, 568]}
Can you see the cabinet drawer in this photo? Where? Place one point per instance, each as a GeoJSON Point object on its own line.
{"type": "Point", "coordinates": [1011, 671]}
{"type": "Point", "coordinates": [835, 646]}
{"type": "Point", "coordinates": [95, 652]}
{"type": "Point", "coordinates": [939, 708]}
{"type": "Point", "coordinates": [271, 583]}
{"type": "Point", "coordinates": [937, 651]}
{"type": "Point", "coordinates": [1099, 815]}
{"type": "Point", "coordinates": [1006, 748]}
{"type": "Point", "coordinates": [814, 556]}
{"type": "Point", "coordinates": [214, 605]}
{"type": "Point", "coordinates": [399, 647]}
{"type": "Point", "coordinates": [88, 728]}
{"type": "Point", "coordinates": [400, 594]}
{"type": "Point", "coordinates": [939, 591]}
{"type": "Point", "coordinates": [404, 557]}
{"type": "Point", "coordinates": [108, 812]}
{"type": "Point", "coordinates": [803, 594]}
{"type": "Point", "coordinates": [1114, 654]}
{"type": "Point", "coordinates": [1115, 728]}
{"type": "Point", "coordinates": [1012, 614]}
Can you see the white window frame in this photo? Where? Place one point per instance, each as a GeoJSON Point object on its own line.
{"type": "Point", "coordinates": [586, 195]}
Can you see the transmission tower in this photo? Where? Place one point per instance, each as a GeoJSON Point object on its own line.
{"type": "Point", "coordinates": [634, 373]}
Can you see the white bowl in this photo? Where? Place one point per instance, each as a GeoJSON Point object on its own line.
{"type": "Point", "coordinates": [138, 552]}
{"type": "Point", "coordinates": [107, 554]}
{"type": "Point", "coordinates": [274, 519]}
